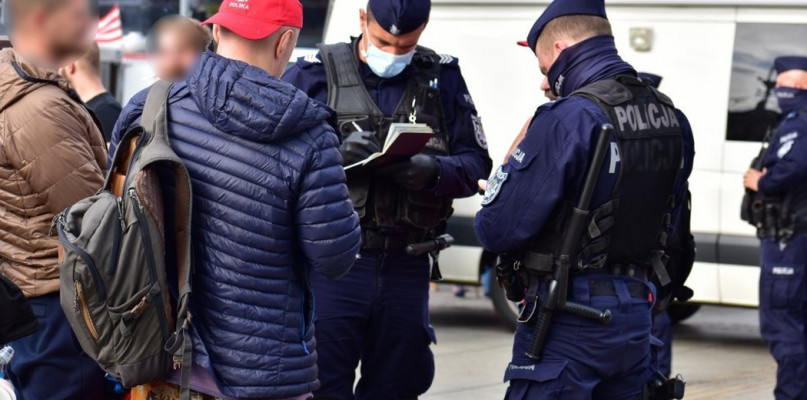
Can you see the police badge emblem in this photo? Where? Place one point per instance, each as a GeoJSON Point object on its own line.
{"type": "Point", "coordinates": [479, 131]}
{"type": "Point", "coordinates": [495, 186]}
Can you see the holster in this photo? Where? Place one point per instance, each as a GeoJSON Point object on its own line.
{"type": "Point", "coordinates": [507, 274]}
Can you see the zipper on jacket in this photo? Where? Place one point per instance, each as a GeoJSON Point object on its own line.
{"type": "Point", "coordinates": [81, 303]}
{"type": "Point", "coordinates": [146, 237]}
{"type": "Point", "coordinates": [96, 277]}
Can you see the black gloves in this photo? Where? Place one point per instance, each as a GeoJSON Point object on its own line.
{"type": "Point", "coordinates": [358, 146]}
{"type": "Point", "coordinates": [418, 173]}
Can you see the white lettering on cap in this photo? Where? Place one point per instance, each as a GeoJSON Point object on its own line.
{"type": "Point", "coordinates": [240, 4]}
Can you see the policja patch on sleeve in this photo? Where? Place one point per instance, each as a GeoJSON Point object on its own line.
{"type": "Point", "coordinates": [479, 132]}
{"type": "Point", "coordinates": [495, 185]}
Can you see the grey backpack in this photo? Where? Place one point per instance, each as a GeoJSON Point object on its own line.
{"type": "Point", "coordinates": [114, 273]}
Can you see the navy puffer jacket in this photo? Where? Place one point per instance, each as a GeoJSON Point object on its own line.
{"type": "Point", "coordinates": [269, 204]}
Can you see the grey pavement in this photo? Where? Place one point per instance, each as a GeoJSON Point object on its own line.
{"type": "Point", "coordinates": [718, 351]}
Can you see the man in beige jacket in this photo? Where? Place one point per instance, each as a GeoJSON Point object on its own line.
{"type": "Point", "coordinates": [51, 155]}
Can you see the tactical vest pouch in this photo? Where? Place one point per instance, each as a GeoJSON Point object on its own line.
{"type": "Point", "coordinates": [776, 221]}
{"type": "Point", "coordinates": [751, 210]}
{"type": "Point", "coordinates": [423, 210]}
{"type": "Point", "coordinates": [359, 188]}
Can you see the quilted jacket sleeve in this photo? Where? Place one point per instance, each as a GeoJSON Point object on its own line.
{"type": "Point", "coordinates": [328, 228]}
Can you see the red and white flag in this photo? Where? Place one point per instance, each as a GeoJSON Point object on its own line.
{"type": "Point", "coordinates": [110, 30]}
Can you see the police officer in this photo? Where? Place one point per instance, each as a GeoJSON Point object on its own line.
{"type": "Point", "coordinates": [783, 185]}
{"type": "Point", "coordinates": [525, 212]}
{"type": "Point", "coordinates": [378, 313]}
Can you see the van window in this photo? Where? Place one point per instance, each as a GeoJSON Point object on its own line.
{"type": "Point", "coordinates": [315, 13]}
{"type": "Point", "coordinates": [140, 15]}
{"type": "Point", "coordinates": [752, 106]}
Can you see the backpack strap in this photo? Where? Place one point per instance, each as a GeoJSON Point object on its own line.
{"type": "Point", "coordinates": [155, 112]}
{"type": "Point", "coordinates": [155, 121]}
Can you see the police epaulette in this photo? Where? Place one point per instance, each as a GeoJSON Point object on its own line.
{"type": "Point", "coordinates": [447, 59]}
{"type": "Point", "coordinates": [312, 58]}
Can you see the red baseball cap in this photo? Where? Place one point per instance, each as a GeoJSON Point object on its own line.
{"type": "Point", "coordinates": [257, 19]}
{"type": "Point", "coordinates": [523, 43]}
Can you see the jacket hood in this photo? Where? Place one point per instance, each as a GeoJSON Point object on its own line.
{"type": "Point", "coordinates": [19, 77]}
{"type": "Point", "coordinates": [247, 102]}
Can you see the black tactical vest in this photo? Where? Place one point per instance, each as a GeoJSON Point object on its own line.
{"type": "Point", "coordinates": [380, 203]}
{"type": "Point", "coordinates": [631, 229]}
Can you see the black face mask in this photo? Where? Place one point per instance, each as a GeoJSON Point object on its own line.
{"type": "Point", "coordinates": [791, 99]}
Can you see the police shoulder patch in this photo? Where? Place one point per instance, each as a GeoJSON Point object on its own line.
{"type": "Point", "coordinates": [495, 185]}
{"type": "Point", "coordinates": [447, 59]}
{"type": "Point", "coordinates": [479, 132]}
{"type": "Point", "coordinates": [312, 58]}
{"type": "Point", "coordinates": [786, 144]}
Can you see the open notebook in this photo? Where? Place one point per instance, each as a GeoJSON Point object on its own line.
{"type": "Point", "coordinates": [403, 140]}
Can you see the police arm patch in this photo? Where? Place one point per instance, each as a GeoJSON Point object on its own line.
{"type": "Point", "coordinates": [479, 132]}
{"type": "Point", "coordinates": [786, 144]}
{"type": "Point", "coordinates": [495, 186]}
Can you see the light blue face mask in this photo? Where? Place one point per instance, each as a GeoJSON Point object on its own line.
{"type": "Point", "coordinates": [384, 64]}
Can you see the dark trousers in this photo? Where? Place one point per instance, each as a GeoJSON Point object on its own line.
{"type": "Point", "coordinates": [377, 314]}
{"type": "Point", "coordinates": [662, 330]}
{"type": "Point", "coordinates": [582, 358]}
{"type": "Point", "coordinates": [782, 313]}
{"type": "Point", "coordinates": [50, 365]}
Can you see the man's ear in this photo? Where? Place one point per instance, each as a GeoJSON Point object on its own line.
{"type": "Point", "coordinates": [216, 33]}
{"type": "Point", "coordinates": [362, 19]}
{"type": "Point", "coordinates": [71, 69]}
{"type": "Point", "coordinates": [560, 45]}
{"type": "Point", "coordinates": [285, 44]}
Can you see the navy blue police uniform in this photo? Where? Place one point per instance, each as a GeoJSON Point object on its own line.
{"type": "Point", "coordinates": [524, 207]}
{"type": "Point", "coordinates": [662, 324]}
{"type": "Point", "coordinates": [783, 258]}
{"type": "Point", "coordinates": [378, 313]}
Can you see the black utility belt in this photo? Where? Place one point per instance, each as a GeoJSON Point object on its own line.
{"type": "Point", "coordinates": [780, 232]}
{"type": "Point", "coordinates": [392, 242]}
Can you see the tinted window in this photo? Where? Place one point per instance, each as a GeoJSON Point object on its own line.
{"type": "Point", "coordinates": [752, 107]}
{"type": "Point", "coordinates": [140, 15]}
{"type": "Point", "coordinates": [315, 13]}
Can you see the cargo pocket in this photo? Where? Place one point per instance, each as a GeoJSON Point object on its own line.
{"type": "Point", "coordinates": [535, 381]}
{"type": "Point", "coordinates": [785, 286]}
{"type": "Point", "coordinates": [786, 293]}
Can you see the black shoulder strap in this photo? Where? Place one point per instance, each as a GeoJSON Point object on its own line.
{"type": "Point", "coordinates": [608, 93]}
{"type": "Point", "coordinates": [154, 121]}
{"type": "Point", "coordinates": [155, 114]}
{"type": "Point", "coordinates": [346, 91]}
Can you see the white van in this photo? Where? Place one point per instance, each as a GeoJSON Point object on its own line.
{"type": "Point", "coordinates": [714, 57]}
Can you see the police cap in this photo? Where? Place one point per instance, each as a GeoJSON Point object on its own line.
{"type": "Point", "coordinates": [560, 8]}
{"type": "Point", "coordinates": [787, 63]}
{"type": "Point", "coordinates": [400, 16]}
{"type": "Point", "coordinates": [653, 80]}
